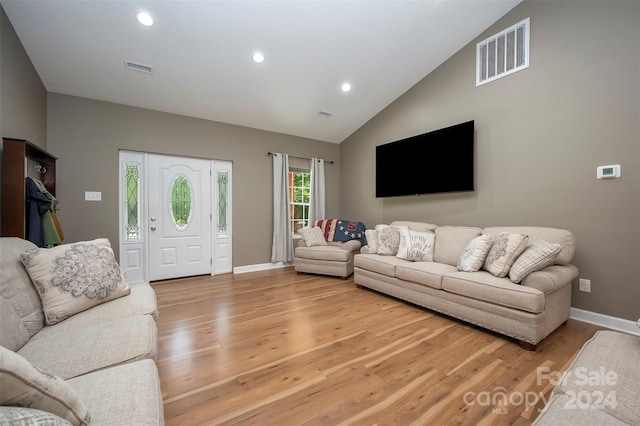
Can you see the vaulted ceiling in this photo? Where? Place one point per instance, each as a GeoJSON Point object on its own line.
{"type": "Point", "coordinates": [200, 54]}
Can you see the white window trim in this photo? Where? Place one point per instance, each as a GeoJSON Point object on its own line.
{"type": "Point", "coordinates": [527, 24]}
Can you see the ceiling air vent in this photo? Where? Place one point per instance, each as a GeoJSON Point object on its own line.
{"type": "Point", "coordinates": [138, 67]}
{"type": "Point", "coordinates": [324, 114]}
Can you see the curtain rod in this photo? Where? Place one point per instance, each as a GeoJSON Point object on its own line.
{"type": "Point", "coordinates": [300, 158]}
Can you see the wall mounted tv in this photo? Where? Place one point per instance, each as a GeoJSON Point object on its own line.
{"type": "Point", "coordinates": [434, 162]}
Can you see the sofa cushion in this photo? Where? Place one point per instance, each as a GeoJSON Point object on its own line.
{"type": "Point", "coordinates": [415, 226]}
{"type": "Point", "coordinates": [328, 252]}
{"type": "Point", "coordinates": [13, 333]}
{"type": "Point", "coordinates": [16, 285]}
{"type": "Point", "coordinates": [484, 286]}
{"type": "Point", "coordinates": [29, 416]}
{"type": "Point", "coordinates": [607, 365]}
{"type": "Point", "coordinates": [141, 301]}
{"type": "Point", "coordinates": [536, 256]}
{"type": "Point", "coordinates": [415, 245]}
{"type": "Point", "coordinates": [385, 265]}
{"type": "Point", "coordinates": [474, 254]}
{"type": "Point", "coordinates": [504, 251]}
{"type": "Point", "coordinates": [451, 241]}
{"type": "Point", "coordinates": [552, 235]}
{"type": "Point", "coordinates": [388, 239]}
{"type": "Point", "coordinates": [312, 236]}
{"type": "Point", "coordinates": [25, 385]}
{"type": "Point", "coordinates": [85, 349]}
{"type": "Point", "coordinates": [128, 394]}
{"type": "Point", "coordinates": [425, 273]}
{"type": "Point", "coordinates": [71, 278]}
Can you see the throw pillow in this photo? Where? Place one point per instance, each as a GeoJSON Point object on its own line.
{"type": "Point", "coordinates": [71, 278]}
{"type": "Point", "coordinates": [538, 255]}
{"type": "Point", "coordinates": [474, 254]}
{"type": "Point", "coordinates": [415, 246]}
{"type": "Point", "coordinates": [312, 236]}
{"type": "Point", "coordinates": [505, 249]}
{"type": "Point", "coordinates": [24, 385]}
{"type": "Point", "coordinates": [388, 240]}
{"type": "Point", "coordinates": [29, 416]}
{"type": "Point", "coordinates": [372, 240]}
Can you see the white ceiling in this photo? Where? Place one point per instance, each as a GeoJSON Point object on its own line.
{"type": "Point", "coordinates": [201, 53]}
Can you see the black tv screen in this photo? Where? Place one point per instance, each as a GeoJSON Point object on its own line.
{"type": "Point", "coordinates": [433, 162]}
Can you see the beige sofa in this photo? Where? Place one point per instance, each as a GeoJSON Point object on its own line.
{"type": "Point", "coordinates": [601, 387]}
{"type": "Point", "coordinates": [528, 311]}
{"type": "Point", "coordinates": [98, 362]}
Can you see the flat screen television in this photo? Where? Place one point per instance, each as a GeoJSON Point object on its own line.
{"type": "Point", "coordinates": [433, 162]}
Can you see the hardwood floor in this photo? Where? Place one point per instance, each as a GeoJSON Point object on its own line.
{"type": "Point", "coordinates": [276, 348]}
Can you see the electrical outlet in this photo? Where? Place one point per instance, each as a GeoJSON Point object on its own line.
{"type": "Point", "coordinates": [585, 285]}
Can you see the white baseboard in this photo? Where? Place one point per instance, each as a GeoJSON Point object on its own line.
{"type": "Point", "coordinates": [260, 267]}
{"type": "Point", "coordinates": [607, 321]}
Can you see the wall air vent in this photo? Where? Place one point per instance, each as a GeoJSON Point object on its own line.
{"type": "Point", "coordinates": [503, 53]}
{"type": "Point", "coordinates": [324, 114]}
{"type": "Point", "coordinates": [138, 67]}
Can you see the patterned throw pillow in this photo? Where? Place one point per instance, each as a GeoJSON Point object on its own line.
{"type": "Point", "coordinates": [24, 385]}
{"type": "Point", "coordinates": [474, 254]}
{"type": "Point", "coordinates": [372, 240]}
{"type": "Point", "coordinates": [388, 240]}
{"type": "Point", "coordinates": [29, 416]}
{"type": "Point", "coordinates": [312, 236]}
{"type": "Point", "coordinates": [415, 246]}
{"type": "Point", "coordinates": [538, 255]}
{"type": "Point", "coordinates": [504, 251]}
{"type": "Point", "coordinates": [71, 278]}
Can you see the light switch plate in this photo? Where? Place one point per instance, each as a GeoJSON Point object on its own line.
{"type": "Point", "coordinates": [92, 196]}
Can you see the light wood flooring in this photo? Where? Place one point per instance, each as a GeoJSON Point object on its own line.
{"type": "Point", "coordinates": [276, 348]}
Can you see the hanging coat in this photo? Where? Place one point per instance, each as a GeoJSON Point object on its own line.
{"type": "Point", "coordinates": [51, 227]}
{"type": "Point", "coordinates": [37, 205]}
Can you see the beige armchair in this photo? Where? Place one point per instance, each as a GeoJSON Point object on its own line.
{"type": "Point", "coordinates": [328, 247]}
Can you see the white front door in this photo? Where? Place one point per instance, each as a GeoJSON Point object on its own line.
{"type": "Point", "coordinates": [179, 217]}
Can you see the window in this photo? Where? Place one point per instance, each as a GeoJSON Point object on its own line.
{"type": "Point", "coordinates": [299, 189]}
{"type": "Point", "coordinates": [503, 53]}
{"type": "Point", "coordinates": [180, 202]}
{"type": "Point", "coordinates": [131, 183]}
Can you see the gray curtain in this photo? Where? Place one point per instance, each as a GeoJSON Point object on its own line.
{"type": "Point", "coordinates": [282, 246]}
{"type": "Point", "coordinates": [316, 196]}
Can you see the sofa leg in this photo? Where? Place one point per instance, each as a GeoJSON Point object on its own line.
{"type": "Point", "coordinates": [528, 346]}
{"type": "Point", "coordinates": [299, 272]}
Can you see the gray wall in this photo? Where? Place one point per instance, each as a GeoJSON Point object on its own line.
{"type": "Point", "coordinates": [86, 135]}
{"type": "Point", "coordinates": [540, 133]}
{"type": "Point", "coordinates": [23, 98]}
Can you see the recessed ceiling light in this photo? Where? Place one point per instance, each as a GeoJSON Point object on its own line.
{"type": "Point", "coordinates": [346, 87]}
{"type": "Point", "coordinates": [145, 19]}
{"type": "Point", "coordinates": [258, 57]}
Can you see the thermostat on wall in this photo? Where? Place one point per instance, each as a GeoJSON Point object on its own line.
{"type": "Point", "coordinates": [609, 172]}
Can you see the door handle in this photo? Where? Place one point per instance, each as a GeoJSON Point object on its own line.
{"type": "Point", "coordinates": [153, 228]}
{"type": "Point", "coordinates": [153, 219]}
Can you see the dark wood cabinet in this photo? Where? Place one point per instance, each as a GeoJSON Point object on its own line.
{"type": "Point", "coordinates": [21, 158]}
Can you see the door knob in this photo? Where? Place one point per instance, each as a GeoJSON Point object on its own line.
{"type": "Point", "coordinates": [153, 228]}
{"type": "Point", "coordinates": [153, 219]}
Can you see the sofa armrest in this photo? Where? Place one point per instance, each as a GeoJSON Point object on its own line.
{"type": "Point", "coordinates": [551, 278]}
{"type": "Point", "coordinates": [366, 250]}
